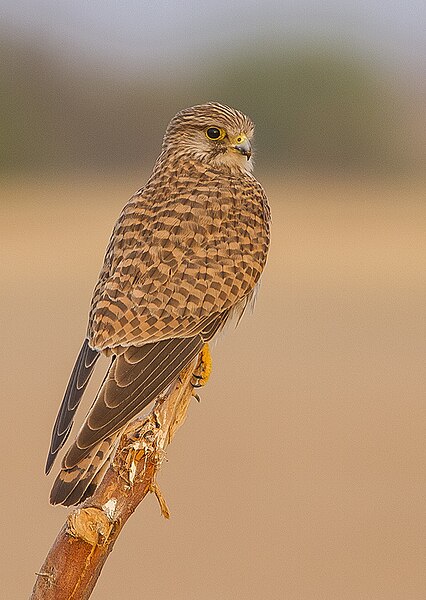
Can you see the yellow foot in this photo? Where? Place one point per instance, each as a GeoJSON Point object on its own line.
{"type": "Point", "coordinates": [203, 369]}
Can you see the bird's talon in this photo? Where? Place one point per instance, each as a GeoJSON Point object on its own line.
{"type": "Point", "coordinates": [203, 369]}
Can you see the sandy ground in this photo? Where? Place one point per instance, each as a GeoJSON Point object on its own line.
{"type": "Point", "coordinates": [301, 474]}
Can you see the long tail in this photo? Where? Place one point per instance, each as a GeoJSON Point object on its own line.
{"type": "Point", "coordinates": [74, 485]}
{"type": "Point", "coordinates": [135, 378]}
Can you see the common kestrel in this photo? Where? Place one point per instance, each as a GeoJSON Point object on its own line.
{"type": "Point", "coordinates": [185, 255]}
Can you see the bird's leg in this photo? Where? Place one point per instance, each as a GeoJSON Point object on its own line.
{"type": "Point", "coordinates": [203, 369]}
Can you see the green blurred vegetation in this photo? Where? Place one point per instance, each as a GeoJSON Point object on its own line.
{"type": "Point", "coordinates": [319, 108]}
{"type": "Point", "coordinates": [314, 108]}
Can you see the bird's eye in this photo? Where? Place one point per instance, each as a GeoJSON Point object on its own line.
{"type": "Point", "coordinates": [214, 133]}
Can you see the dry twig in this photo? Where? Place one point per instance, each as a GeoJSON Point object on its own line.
{"type": "Point", "coordinates": [81, 548]}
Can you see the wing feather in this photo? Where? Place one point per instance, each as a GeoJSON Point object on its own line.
{"type": "Point", "coordinates": [79, 379]}
{"type": "Point", "coordinates": [158, 367]}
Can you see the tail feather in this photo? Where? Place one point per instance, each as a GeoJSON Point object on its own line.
{"type": "Point", "coordinates": [130, 386]}
{"type": "Point", "coordinates": [74, 485]}
{"type": "Point", "coordinates": [136, 376]}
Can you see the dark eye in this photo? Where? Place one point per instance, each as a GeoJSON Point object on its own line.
{"type": "Point", "coordinates": [214, 133]}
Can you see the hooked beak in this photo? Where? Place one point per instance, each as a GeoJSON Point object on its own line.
{"type": "Point", "coordinates": [244, 147]}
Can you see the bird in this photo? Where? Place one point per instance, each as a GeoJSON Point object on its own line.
{"type": "Point", "coordinates": [185, 256]}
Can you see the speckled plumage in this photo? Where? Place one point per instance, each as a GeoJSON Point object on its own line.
{"type": "Point", "coordinates": [187, 251]}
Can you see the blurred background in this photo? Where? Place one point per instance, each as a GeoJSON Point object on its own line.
{"type": "Point", "coordinates": [301, 475]}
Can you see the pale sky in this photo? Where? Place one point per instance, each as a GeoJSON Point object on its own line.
{"type": "Point", "coordinates": [147, 34]}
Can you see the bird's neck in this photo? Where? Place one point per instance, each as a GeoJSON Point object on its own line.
{"type": "Point", "coordinates": [183, 163]}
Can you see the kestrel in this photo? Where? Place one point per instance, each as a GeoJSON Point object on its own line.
{"type": "Point", "coordinates": [185, 255]}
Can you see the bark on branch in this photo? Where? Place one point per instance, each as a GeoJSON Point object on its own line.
{"type": "Point", "coordinates": [81, 548]}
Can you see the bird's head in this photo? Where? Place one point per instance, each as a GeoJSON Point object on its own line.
{"type": "Point", "coordinates": [212, 133]}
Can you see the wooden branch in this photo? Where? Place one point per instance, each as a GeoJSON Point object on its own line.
{"type": "Point", "coordinates": [81, 548]}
